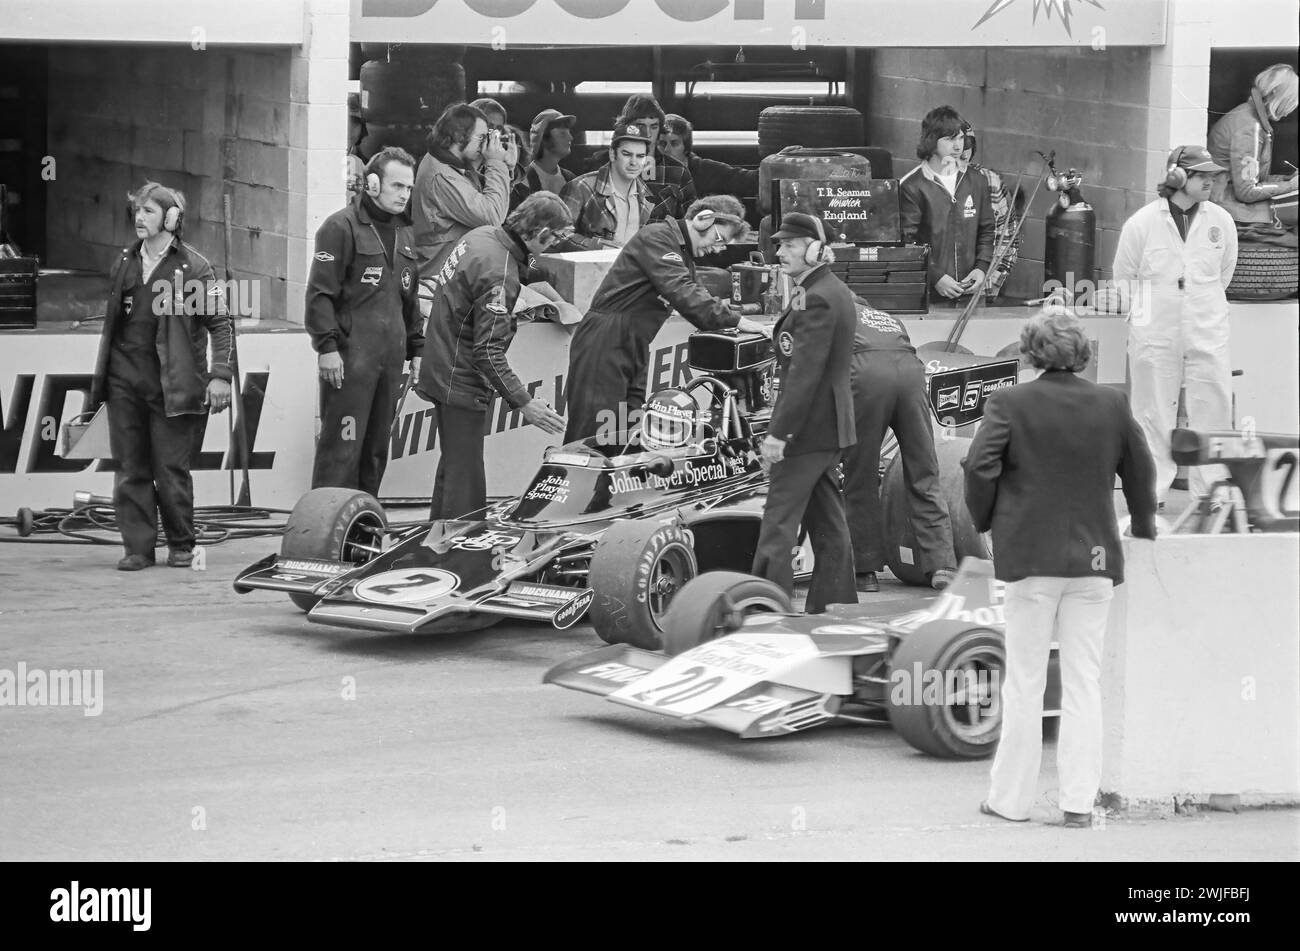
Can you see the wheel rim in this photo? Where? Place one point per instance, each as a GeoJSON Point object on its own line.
{"type": "Point", "coordinates": [672, 569]}
{"type": "Point", "coordinates": [972, 707]}
{"type": "Point", "coordinates": [363, 538]}
{"type": "Point", "coordinates": [734, 612]}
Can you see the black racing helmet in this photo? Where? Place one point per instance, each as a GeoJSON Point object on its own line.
{"type": "Point", "coordinates": [669, 420]}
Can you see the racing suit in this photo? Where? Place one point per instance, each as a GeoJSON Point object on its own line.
{"type": "Point", "coordinates": [152, 369]}
{"type": "Point", "coordinates": [474, 286]}
{"type": "Point", "coordinates": [889, 393]}
{"type": "Point", "coordinates": [653, 274]}
{"type": "Point", "coordinates": [361, 302]}
{"type": "Point", "coordinates": [1178, 326]}
{"type": "Point", "coordinates": [958, 227]}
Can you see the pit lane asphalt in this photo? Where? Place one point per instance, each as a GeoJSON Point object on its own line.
{"type": "Point", "coordinates": [225, 734]}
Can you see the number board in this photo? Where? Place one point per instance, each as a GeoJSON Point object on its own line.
{"type": "Point", "coordinates": [852, 209]}
{"type": "Point", "coordinates": [707, 675]}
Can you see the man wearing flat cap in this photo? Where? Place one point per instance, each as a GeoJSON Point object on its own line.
{"type": "Point", "coordinates": [812, 422]}
{"type": "Point", "coordinates": [1174, 262]}
{"type": "Point", "coordinates": [550, 142]}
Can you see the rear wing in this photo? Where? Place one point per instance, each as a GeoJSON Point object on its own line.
{"type": "Point", "coordinates": [957, 396]}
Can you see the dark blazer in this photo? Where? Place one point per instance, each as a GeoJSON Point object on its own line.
{"type": "Point", "coordinates": [1041, 473]}
{"type": "Point", "coordinates": [814, 352]}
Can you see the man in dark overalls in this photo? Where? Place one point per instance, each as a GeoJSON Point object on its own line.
{"type": "Point", "coordinates": [363, 316]}
{"type": "Point", "coordinates": [812, 422]}
{"type": "Point", "coordinates": [653, 275]}
{"type": "Point", "coordinates": [889, 393]}
{"type": "Point", "coordinates": [163, 308]}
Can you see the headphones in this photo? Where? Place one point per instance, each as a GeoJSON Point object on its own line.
{"type": "Point", "coordinates": [172, 218]}
{"type": "Point", "coordinates": [372, 176]}
{"type": "Point", "coordinates": [821, 254]}
{"type": "Point", "coordinates": [1176, 175]}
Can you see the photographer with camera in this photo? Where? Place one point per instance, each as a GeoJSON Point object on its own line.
{"type": "Point", "coordinates": [451, 196]}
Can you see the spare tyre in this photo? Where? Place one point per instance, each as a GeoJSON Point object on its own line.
{"type": "Point", "coordinates": [1264, 272]}
{"type": "Point", "coordinates": [807, 163]}
{"type": "Point", "coordinates": [809, 126]}
{"type": "Point", "coordinates": [902, 554]}
{"type": "Point", "coordinates": [411, 137]}
{"type": "Point", "coordinates": [396, 93]}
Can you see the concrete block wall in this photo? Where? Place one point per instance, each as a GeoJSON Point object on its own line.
{"type": "Point", "coordinates": [1091, 106]}
{"type": "Point", "coordinates": [205, 121]}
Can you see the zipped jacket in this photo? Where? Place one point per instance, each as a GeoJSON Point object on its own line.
{"type": "Point", "coordinates": [958, 227]}
{"type": "Point", "coordinates": [190, 308]}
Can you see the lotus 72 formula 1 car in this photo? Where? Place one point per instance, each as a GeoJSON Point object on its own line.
{"type": "Point", "coordinates": [738, 658]}
{"type": "Point", "coordinates": [611, 526]}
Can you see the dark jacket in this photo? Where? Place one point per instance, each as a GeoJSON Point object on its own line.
{"type": "Point", "coordinates": [590, 200]}
{"type": "Point", "coordinates": [814, 350]}
{"type": "Point", "coordinates": [1041, 474]}
{"type": "Point", "coordinates": [471, 322]}
{"type": "Point", "coordinates": [352, 281]}
{"type": "Point", "coordinates": [655, 273]}
{"type": "Point", "coordinates": [959, 228]}
{"type": "Point", "coordinates": [718, 178]}
{"type": "Point", "coordinates": [876, 330]}
{"type": "Point", "coordinates": [531, 183]}
{"type": "Point", "coordinates": [182, 331]}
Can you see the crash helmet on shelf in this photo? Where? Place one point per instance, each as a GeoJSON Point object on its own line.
{"type": "Point", "coordinates": [668, 420]}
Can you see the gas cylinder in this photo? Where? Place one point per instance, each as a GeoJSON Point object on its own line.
{"type": "Point", "coordinates": [1070, 250]}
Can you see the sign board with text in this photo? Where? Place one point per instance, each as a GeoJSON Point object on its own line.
{"type": "Point", "coordinates": [856, 210]}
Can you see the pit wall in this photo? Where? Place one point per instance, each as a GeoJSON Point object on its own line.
{"type": "Point", "coordinates": [1094, 108]}
{"type": "Point", "coordinates": [1201, 673]}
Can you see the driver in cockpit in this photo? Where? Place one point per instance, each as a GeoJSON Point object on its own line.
{"type": "Point", "coordinates": [672, 420]}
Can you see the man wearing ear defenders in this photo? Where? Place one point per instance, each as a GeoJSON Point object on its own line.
{"type": "Point", "coordinates": [152, 370]}
{"type": "Point", "coordinates": [812, 421]}
{"type": "Point", "coordinates": [653, 275]}
{"type": "Point", "coordinates": [364, 318]}
{"type": "Point", "coordinates": [1177, 254]}
{"type": "Point", "coordinates": [474, 286]}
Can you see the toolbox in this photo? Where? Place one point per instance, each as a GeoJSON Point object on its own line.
{"type": "Point", "coordinates": [890, 278]}
{"type": "Point", "coordinates": [18, 291]}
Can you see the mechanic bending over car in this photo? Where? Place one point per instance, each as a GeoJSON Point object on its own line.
{"type": "Point", "coordinates": [653, 274]}
{"type": "Point", "coordinates": [152, 370]}
{"type": "Point", "coordinates": [889, 392]}
{"type": "Point", "coordinates": [364, 319]}
{"type": "Point", "coordinates": [812, 421]}
{"type": "Point", "coordinates": [474, 286]}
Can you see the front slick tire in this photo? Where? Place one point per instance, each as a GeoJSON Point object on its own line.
{"type": "Point", "coordinates": [945, 690]}
{"type": "Point", "coordinates": [715, 604]}
{"type": "Point", "coordinates": [636, 570]}
{"type": "Point", "coordinates": [333, 524]}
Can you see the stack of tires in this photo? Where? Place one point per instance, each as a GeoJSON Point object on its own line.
{"type": "Point", "coordinates": [1264, 272]}
{"type": "Point", "coordinates": [404, 88]}
{"type": "Point", "coordinates": [809, 126]}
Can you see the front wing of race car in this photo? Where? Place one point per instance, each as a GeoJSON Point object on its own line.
{"type": "Point", "coordinates": [433, 579]}
{"type": "Point", "coordinates": [753, 685]}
